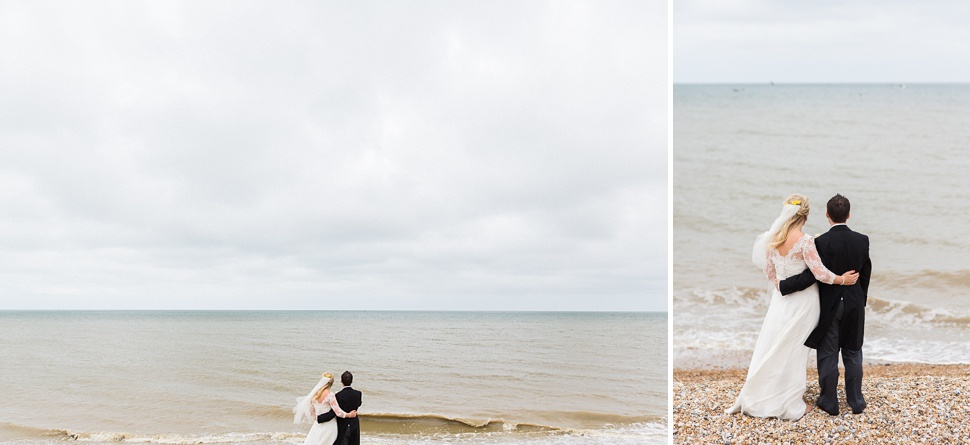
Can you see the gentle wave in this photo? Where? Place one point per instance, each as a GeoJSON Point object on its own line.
{"type": "Point", "coordinates": [726, 322]}
{"type": "Point", "coordinates": [11, 430]}
{"type": "Point", "coordinates": [645, 432]}
{"type": "Point", "coordinates": [878, 310]}
{"type": "Point", "coordinates": [179, 439]}
{"type": "Point", "coordinates": [394, 423]}
{"type": "Point", "coordinates": [956, 281]}
{"type": "Point", "coordinates": [378, 423]}
{"type": "Point", "coordinates": [433, 423]}
{"type": "Point", "coordinates": [399, 423]}
{"type": "Point", "coordinates": [260, 411]}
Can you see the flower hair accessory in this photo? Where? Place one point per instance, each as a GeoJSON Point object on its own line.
{"type": "Point", "coordinates": [328, 375]}
{"type": "Point", "coordinates": [796, 202]}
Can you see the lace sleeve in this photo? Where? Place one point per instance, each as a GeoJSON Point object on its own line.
{"type": "Point", "coordinates": [814, 262]}
{"type": "Point", "coordinates": [335, 406]}
{"type": "Point", "coordinates": [770, 268]}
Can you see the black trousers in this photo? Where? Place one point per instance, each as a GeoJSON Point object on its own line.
{"type": "Point", "coordinates": [828, 371]}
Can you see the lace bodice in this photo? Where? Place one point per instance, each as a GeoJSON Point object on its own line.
{"type": "Point", "coordinates": [329, 402]}
{"type": "Point", "coordinates": [801, 256]}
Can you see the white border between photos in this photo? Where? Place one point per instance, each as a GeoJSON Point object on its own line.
{"type": "Point", "coordinates": [670, 222]}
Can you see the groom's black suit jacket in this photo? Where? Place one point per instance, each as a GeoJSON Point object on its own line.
{"type": "Point", "coordinates": [349, 399]}
{"type": "Point", "coordinates": [841, 250]}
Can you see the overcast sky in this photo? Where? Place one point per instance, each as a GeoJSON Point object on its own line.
{"type": "Point", "coordinates": [334, 155]}
{"type": "Point", "coordinates": [820, 41]}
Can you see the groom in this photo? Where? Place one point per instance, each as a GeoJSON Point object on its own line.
{"type": "Point", "coordinates": [348, 430]}
{"type": "Point", "coordinates": [842, 316]}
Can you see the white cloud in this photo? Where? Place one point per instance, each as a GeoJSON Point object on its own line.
{"type": "Point", "coordinates": [423, 156]}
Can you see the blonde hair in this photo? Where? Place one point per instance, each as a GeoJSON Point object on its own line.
{"type": "Point", "coordinates": [325, 386]}
{"type": "Point", "coordinates": [797, 220]}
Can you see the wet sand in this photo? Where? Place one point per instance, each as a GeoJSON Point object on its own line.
{"type": "Point", "coordinates": [906, 403]}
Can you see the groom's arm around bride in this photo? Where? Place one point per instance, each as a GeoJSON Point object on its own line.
{"type": "Point", "coordinates": [841, 250]}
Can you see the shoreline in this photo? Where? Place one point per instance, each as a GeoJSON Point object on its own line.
{"type": "Point", "coordinates": [906, 403]}
{"type": "Point", "coordinates": [684, 359]}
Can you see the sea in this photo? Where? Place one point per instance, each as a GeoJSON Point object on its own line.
{"type": "Point", "coordinates": [233, 377]}
{"type": "Point", "coordinates": [899, 152]}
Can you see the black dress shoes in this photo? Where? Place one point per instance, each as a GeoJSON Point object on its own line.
{"type": "Point", "coordinates": [834, 412]}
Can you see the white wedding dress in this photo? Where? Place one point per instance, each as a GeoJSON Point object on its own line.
{"type": "Point", "coordinates": [776, 377]}
{"type": "Point", "coordinates": [323, 433]}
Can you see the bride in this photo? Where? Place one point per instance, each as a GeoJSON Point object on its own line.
{"type": "Point", "coordinates": [319, 401]}
{"type": "Point", "coordinates": [776, 377]}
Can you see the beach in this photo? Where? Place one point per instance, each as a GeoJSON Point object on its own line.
{"type": "Point", "coordinates": [906, 403]}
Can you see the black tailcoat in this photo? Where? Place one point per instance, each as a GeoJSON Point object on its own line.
{"type": "Point", "coordinates": [349, 399]}
{"type": "Point", "coordinates": [841, 250]}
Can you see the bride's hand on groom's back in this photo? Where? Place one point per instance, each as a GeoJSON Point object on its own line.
{"type": "Point", "coordinates": [849, 278]}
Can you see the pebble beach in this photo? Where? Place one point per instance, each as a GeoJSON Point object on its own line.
{"type": "Point", "coordinates": [907, 403]}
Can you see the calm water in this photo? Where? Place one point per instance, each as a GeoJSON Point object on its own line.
{"type": "Point", "coordinates": [900, 153]}
{"type": "Point", "coordinates": [427, 377]}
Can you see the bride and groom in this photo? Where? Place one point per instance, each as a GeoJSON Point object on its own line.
{"type": "Point", "coordinates": [811, 307]}
{"type": "Point", "coordinates": [334, 415]}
